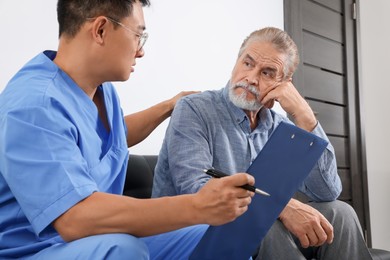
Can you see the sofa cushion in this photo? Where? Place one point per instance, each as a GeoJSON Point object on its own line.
{"type": "Point", "coordinates": [139, 176]}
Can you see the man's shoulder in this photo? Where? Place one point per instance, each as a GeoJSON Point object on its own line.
{"type": "Point", "coordinates": [39, 69]}
{"type": "Point", "coordinates": [205, 99]}
{"type": "Point", "coordinates": [28, 93]}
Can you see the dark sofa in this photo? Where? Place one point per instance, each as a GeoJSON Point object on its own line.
{"type": "Point", "coordinates": [139, 182]}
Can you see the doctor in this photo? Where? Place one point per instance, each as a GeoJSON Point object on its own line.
{"type": "Point", "coordinates": [63, 151]}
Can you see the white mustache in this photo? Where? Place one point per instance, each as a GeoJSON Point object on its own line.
{"type": "Point", "coordinates": [252, 89]}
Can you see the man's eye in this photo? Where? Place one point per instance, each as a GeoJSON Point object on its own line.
{"type": "Point", "coordinates": [247, 64]}
{"type": "Point", "coordinates": [268, 74]}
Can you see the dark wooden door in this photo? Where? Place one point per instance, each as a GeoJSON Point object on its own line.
{"type": "Point", "coordinates": [325, 33]}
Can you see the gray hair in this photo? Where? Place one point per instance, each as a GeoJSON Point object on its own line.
{"type": "Point", "coordinates": [281, 41]}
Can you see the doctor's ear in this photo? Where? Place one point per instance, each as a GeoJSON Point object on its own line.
{"type": "Point", "coordinates": [99, 28]}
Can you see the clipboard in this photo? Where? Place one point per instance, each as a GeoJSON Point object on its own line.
{"type": "Point", "coordinates": [279, 169]}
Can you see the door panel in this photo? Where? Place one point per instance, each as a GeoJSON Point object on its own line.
{"type": "Point", "coordinates": [323, 21]}
{"type": "Point", "coordinates": [322, 53]}
{"type": "Point", "coordinates": [325, 34]}
{"type": "Point", "coordinates": [336, 5]}
{"type": "Point", "coordinates": [331, 117]}
{"type": "Point", "coordinates": [346, 194]}
{"type": "Point", "coordinates": [340, 145]}
{"type": "Point", "coordinates": [324, 85]}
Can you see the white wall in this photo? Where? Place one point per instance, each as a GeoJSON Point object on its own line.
{"type": "Point", "coordinates": [27, 28]}
{"type": "Point", "coordinates": [375, 55]}
{"type": "Point", "coordinates": [192, 45]}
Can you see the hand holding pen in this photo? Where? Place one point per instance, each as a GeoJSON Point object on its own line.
{"type": "Point", "coordinates": [218, 174]}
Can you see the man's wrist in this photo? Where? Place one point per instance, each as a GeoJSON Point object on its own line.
{"type": "Point", "coordinates": [307, 122]}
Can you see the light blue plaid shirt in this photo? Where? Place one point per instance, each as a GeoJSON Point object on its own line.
{"type": "Point", "coordinates": [206, 130]}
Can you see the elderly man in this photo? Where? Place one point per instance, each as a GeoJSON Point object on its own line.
{"type": "Point", "coordinates": [227, 128]}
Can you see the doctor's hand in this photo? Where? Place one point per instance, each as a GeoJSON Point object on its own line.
{"type": "Point", "coordinates": [223, 200]}
{"type": "Point", "coordinates": [172, 101]}
{"type": "Point", "coordinates": [307, 224]}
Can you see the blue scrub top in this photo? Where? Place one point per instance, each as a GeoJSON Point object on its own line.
{"type": "Point", "coordinates": [54, 152]}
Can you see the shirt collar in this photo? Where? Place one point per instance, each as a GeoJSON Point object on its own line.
{"type": "Point", "coordinates": [239, 117]}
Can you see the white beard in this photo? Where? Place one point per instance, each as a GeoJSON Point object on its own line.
{"type": "Point", "coordinates": [240, 100]}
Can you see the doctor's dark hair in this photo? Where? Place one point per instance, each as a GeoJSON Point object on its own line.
{"type": "Point", "coordinates": [281, 42]}
{"type": "Point", "coordinates": [71, 14]}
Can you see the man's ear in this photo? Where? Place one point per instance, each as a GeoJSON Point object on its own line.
{"type": "Point", "coordinates": [99, 28]}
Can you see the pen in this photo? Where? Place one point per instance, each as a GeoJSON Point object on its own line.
{"type": "Point", "coordinates": [218, 174]}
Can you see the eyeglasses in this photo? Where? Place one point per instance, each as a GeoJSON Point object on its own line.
{"type": "Point", "coordinates": [142, 36]}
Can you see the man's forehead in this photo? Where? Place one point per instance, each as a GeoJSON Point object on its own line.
{"type": "Point", "coordinates": [263, 52]}
{"type": "Point", "coordinates": [137, 16]}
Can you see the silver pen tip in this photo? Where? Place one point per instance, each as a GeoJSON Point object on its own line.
{"type": "Point", "coordinates": [258, 191]}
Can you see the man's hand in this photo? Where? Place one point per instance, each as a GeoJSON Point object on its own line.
{"type": "Point", "coordinates": [307, 224]}
{"type": "Point", "coordinates": [223, 200]}
{"type": "Point", "coordinates": [292, 102]}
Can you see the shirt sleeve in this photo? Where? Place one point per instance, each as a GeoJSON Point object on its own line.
{"type": "Point", "coordinates": [323, 182]}
{"type": "Point", "coordinates": [43, 165]}
{"type": "Point", "coordinates": [187, 133]}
